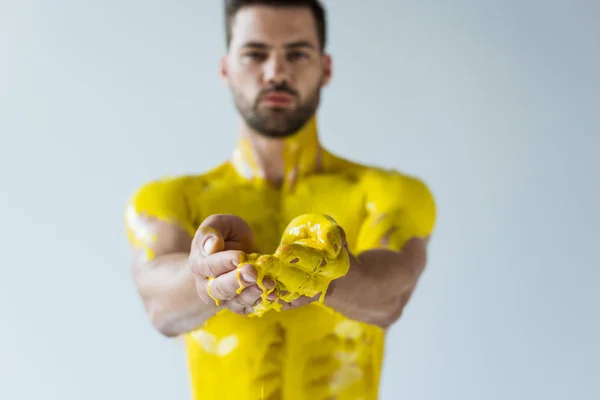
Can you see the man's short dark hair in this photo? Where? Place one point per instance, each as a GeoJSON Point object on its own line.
{"type": "Point", "coordinates": [315, 6]}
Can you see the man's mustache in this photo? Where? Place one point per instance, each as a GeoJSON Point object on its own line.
{"type": "Point", "coordinates": [282, 87]}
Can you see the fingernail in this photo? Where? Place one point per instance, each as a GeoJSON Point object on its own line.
{"type": "Point", "coordinates": [269, 284]}
{"type": "Point", "coordinates": [249, 275]}
{"type": "Point", "coordinates": [208, 245]}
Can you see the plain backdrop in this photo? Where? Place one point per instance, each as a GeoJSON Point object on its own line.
{"type": "Point", "coordinates": [495, 104]}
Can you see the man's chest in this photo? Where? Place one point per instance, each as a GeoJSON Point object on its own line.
{"type": "Point", "coordinates": [268, 211]}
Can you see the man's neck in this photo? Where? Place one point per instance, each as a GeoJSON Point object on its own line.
{"type": "Point", "coordinates": [278, 161]}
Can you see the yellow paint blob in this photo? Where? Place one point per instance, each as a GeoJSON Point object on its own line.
{"type": "Point", "coordinates": [310, 256]}
{"type": "Point", "coordinates": [311, 352]}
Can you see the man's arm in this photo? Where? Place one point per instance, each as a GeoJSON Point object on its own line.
{"type": "Point", "coordinates": [164, 279]}
{"type": "Point", "coordinates": [172, 271]}
{"type": "Point", "coordinates": [391, 253]}
{"type": "Point", "coordinates": [379, 283]}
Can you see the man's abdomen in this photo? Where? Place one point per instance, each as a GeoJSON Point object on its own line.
{"type": "Point", "coordinates": [308, 353]}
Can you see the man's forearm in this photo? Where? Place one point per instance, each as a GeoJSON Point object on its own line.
{"type": "Point", "coordinates": [168, 291]}
{"type": "Point", "coordinates": [379, 284]}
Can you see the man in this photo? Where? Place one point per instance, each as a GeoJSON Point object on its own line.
{"type": "Point", "coordinates": [193, 236]}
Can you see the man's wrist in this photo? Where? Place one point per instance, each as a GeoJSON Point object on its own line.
{"type": "Point", "coordinates": [330, 289]}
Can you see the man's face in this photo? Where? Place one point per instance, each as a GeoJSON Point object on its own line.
{"type": "Point", "coordinates": [275, 68]}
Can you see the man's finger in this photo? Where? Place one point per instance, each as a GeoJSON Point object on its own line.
{"type": "Point", "coordinates": [248, 297]}
{"type": "Point", "coordinates": [216, 264]}
{"type": "Point", "coordinates": [207, 241]}
{"type": "Point", "coordinates": [226, 286]}
{"type": "Point", "coordinates": [237, 308]}
{"type": "Point", "coordinates": [224, 231]}
{"type": "Point", "coordinates": [302, 301]}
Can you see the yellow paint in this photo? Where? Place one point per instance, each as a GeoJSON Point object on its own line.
{"type": "Point", "coordinates": [217, 301]}
{"type": "Point", "coordinates": [310, 352]}
{"type": "Point", "coordinates": [139, 234]}
{"type": "Point", "coordinates": [211, 344]}
{"type": "Point", "coordinates": [310, 256]}
{"type": "Point", "coordinates": [301, 156]}
{"type": "Point", "coordinates": [240, 283]}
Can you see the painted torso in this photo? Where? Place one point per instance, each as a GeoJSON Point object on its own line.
{"type": "Point", "coordinates": [310, 352]}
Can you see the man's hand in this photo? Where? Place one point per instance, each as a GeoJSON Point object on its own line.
{"type": "Point", "coordinates": [313, 252]}
{"type": "Point", "coordinates": [220, 245]}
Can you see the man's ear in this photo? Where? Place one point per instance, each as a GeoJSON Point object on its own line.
{"type": "Point", "coordinates": [223, 70]}
{"type": "Point", "coordinates": [326, 69]}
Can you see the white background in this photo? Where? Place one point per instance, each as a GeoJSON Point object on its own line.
{"type": "Point", "coordinates": [495, 104]}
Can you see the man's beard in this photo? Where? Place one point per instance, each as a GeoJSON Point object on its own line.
{"type": "Point", "coordinates": [277, 122]}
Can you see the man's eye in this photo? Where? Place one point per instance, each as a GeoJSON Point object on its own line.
{"type": "Point", "coordinates": [255, 56]}
{"type": "Point", "coordinates": [297, 55]}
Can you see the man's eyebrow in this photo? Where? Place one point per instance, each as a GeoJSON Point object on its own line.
{"type": "Point", "coordinates": [255, 45]}
{"type": "Point", "coordinates": [299, 44]}
{"type": "Point", "coordinates": [291, 45]}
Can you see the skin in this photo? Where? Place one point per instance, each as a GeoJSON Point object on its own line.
{"type": "Point", "coordinates": [201, 279]}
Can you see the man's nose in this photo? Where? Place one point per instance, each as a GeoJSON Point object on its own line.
{"type": "Point", "coordinates": [275, 70]}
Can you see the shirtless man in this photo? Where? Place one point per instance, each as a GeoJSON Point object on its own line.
{"type": "Point", "coordinates": [193, 236]}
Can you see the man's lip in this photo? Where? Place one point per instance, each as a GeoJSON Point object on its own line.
{"type": "Point", "coordinates": [278, 98]}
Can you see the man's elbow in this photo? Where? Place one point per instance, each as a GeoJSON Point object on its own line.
{"type": "Point", "coordinates": [392, 312]}
{"type": "Point", "coordinates": [391, 318]}
{"type": "Point", "coordinates": [162, 325]}
{"type": "Point", "coordinates": [173, 325]}
{"type": "Point", "coordinates": [166, 331]}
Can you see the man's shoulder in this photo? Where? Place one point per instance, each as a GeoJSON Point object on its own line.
{"type": "Point", "coordinates": [172, 191]}
{"type": "Point", "coordinates": [377, 178]}
{"type": "Point", "coordinates": [168, 199]}
{"type": "Point", "coordinates": [406, 196]}
{"type": "Point", "coordinates": [393, 180]}
{"type": "Point", "coordinates": [381, 179]}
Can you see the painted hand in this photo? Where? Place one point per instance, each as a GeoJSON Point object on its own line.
{"type": "Point", "coordinates": [217, 260]}
{"type": "Point", "coordinates": [312, 253]}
